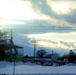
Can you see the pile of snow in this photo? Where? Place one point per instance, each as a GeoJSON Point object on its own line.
{"type": "Point", "coordinates": [71, 64]}
{"type": "Point", "coordinates": [35, 69]}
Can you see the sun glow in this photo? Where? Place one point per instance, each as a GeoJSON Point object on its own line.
{"type": "Point", "coordinates": [16, 9]}
{"type": "Point", "coordinates": [7, 22]}
{"type": "Point", "coordinates": [60, 7]}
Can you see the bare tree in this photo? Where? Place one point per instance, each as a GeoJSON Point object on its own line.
{"type": "Point", "coordinates": [41, 53]}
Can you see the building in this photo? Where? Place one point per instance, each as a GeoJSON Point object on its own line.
{"type": "Point", "coordinates": [8, 45]}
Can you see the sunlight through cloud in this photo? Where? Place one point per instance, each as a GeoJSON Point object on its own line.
{"type": "Point", "coordinates": [7, 22]}
{"type": "Point", "coordinates": [61, 7]}
{"type": "Point", "coordinates": [10, 9]}
{"type": "Point", "coordinates": [54, 40]}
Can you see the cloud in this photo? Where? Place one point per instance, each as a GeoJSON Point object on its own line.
{"type": "Point", "coordinates": [62, 7]}
{"type": "Point", "coordinates": [16, 9]}
{"type": "Point", "coordinates": [54, 40]}
{"type": "Point", "coordinates": [41, 7]}
{"type": "Point", "coordinates": [43, 20]}
{"type": "Point", "coordinates": [56, 45]}
{"type": "Point", "coordinates": [71, 18]}
{"type": "Point", "coordinates": [40, 10]}
{"type": "Point", "coordinates": [35, 26]}
{"type": "Point", "coordinates": [7, 24]}
{"type": "Point", "coordinates": [59, 36]}
{"type": "Point", "coordinates": [42, 26]}
{"type": "Point", "coordinates": [66, 45]}
{"type": "Point", "coordinates": [61, 12]}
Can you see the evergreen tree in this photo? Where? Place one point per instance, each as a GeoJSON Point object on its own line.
{"type": "Point", "coordinates": [71, 56]}
{"type": "Point", "coordinates": [2, 46]}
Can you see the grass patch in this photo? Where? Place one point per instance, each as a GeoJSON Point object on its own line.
{"type": "Point", "coordinates": [19, 57]}
{"type": "Point", "coordinates": [7, 57]}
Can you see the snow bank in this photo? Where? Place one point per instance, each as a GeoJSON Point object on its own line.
{"type": "Point", "coordinates": [46, 74]}
{"type": "Point", "coordinates": [34, 69]}
{"type": "Point", "coordinates": [71, 64]}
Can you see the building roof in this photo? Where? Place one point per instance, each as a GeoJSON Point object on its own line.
{"type": "Point", "coordinates": [9, 46]}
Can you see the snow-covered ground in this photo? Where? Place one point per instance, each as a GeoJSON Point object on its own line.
{"type": "Point", "coordinates": [35, 69]}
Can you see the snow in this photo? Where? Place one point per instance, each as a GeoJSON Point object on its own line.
{"type": "Point", "coordinates": [35, 69]}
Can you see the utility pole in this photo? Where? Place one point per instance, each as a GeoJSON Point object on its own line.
{"type": "Point", "coordinates": [14, 55]}
{"type": "Point", "coordinates": [34, 44]}
{"type": "Point", "coordinates": [11, 45]}
{"type": "Point", "coordinates": [52, 58]}
{"type": "Point", "coordinates": [34, 48]}
{"type": "Point", "coordinates": [11, 35]}
{"type": "Point", "coordinates": [11, 41]}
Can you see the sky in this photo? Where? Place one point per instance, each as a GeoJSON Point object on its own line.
{"type": "Point", "coordinates": [51, 22]}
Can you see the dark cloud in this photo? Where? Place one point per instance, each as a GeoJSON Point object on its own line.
{"type": "Point", "coordinates": [40, 26]}
{"type": "Point", "coordinates": [41, 7]}
{"type": "Point", "coordinates": [70, 18]}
